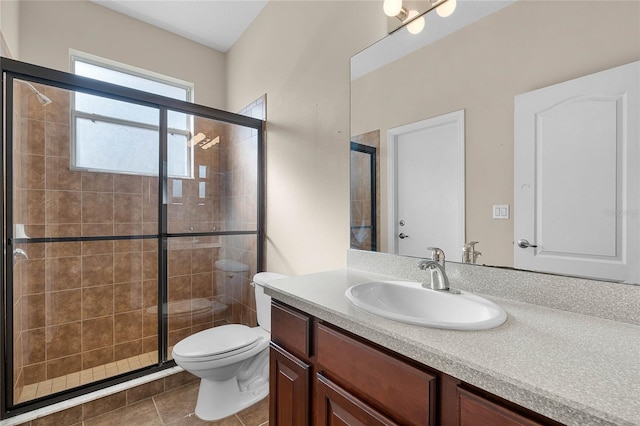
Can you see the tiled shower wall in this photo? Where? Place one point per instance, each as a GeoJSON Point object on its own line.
{"type": "Point", "coordinates": [82, 303]}
{"type": "Point", "coordinates": [78, 305]}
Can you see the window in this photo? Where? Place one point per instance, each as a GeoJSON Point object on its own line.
{"type": "Point", "coordinates": [120, 137]}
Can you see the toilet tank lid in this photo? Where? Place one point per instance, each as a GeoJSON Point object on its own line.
{"type": "Point", "coordinates": [229, 265]}
{"type": "Point", "coordinates": [263, 278]}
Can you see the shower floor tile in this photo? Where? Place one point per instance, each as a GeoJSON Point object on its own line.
{"type": "Point", "coordinates": [59, 384]}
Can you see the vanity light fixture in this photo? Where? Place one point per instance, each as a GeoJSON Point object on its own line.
{"type": "Point", "coordinates": [203, 141]}
{"type": "Point", "coordinates": [210, 142]}
{"type": "Point", "coordinates": [196, 139]}
{"type": "Point", "coordinates": [394, 8]}
{"type": "Point", "coordinates": [446, 9]}
{"type": "Point", "coordinates": [415, 26]}
{"type": "Point", "coordinates": [411, 18]}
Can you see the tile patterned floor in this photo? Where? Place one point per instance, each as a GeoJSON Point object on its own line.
{"type": "Point", "coordinates": [36, 390]}
{"type": "Point", "coordinates": [176, 408]}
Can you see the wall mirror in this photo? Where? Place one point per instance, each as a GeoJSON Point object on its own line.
{"type": "Point", "coordinates": [478, 60]}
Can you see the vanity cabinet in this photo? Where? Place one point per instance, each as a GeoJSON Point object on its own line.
{"type": "Point", "coordinates": [289, 389]}
{"type": "Point", "coordinates": [478, 411]}
{"type": "Point", "coordinates": [289, 366]}
{"type": "Point", "coordinates": [337, 406]}
{"type": "Point", "coordinates": [399, 390]}
{"type": "Point", "coordinates": [322, 375]}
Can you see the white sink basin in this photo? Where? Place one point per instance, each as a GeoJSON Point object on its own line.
{"type": "Point", "coordinates": [410, 303]}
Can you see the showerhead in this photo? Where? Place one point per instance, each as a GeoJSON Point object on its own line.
{"type": "Point", "coordinates": [43, 99]}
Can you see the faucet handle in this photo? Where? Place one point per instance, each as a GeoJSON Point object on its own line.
{"type": "Point", "coordinates": [470, 246]}
{"type": "Point", "coordinates": [437, 254]}
{"type": "Point", "coordinates": [469, 253]}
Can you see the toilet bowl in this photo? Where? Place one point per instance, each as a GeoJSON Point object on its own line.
{"type": "Point", "coordinates": [232, 360]}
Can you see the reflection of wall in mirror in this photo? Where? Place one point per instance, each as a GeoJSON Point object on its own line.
{"type": "Point", "coordinates": [480, 68]}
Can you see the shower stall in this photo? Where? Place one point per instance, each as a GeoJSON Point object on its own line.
{"type": "Point", "coordinates": [121, 236]}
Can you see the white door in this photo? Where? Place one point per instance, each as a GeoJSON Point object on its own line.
{"type": "Point", "coordinates": [576, 176]}
{"type": "Point", "coordinates": [426, 186]}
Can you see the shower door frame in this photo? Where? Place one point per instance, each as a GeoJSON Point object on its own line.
{"type": "Point", "coordinates": [11, 69]}
{"type": "Point", "coordinates": [373, 206]}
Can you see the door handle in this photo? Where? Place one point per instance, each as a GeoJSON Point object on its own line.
{"type": "Point", "coordinates": [525, 244]}
{"type": "Point", "coordinates": [402, 236]}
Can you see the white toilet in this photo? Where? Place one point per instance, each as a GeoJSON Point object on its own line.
{"type": "Point", "coordinates": [232, 360]}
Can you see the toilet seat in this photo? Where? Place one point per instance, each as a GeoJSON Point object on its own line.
{"type": "Point", "coordinates": [232, 361]}
{"type": "Point", "coordinates": [217, 343]}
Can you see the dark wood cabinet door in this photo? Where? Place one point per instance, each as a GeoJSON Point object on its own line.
{"type": "Point", "coordinates": [288, 389]}
{"type": "Point", "coordinates": [337, 407]}
{"type": "Point", "coordinates": [407, 393]}
{"type": "Point", "coordinates": [478, 411]}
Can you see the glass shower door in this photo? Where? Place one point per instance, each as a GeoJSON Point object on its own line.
{"type": "Point", "coordinates": [84, 188]}
{"type": "Point", "coordinates": [212, 227]}
{"type": "Point", "coordinates": [132, 221]}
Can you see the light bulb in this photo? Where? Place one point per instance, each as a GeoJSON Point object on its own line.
{"type": "Point", "coordinates": [446, 9]}
{"type": "Point", "coordinates": [392, 7]}
{"type": "Point", "coordinates": [417, 25]}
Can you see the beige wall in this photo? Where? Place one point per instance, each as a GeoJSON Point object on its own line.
{"type": "Point", "coordinates": [298, 53]}
{"type": "Point", "coordinates": [9, 27]}
{"type": "Point", "coordinates": [48, 29]}
{"type": "Point", "coordinates": [523, 47]}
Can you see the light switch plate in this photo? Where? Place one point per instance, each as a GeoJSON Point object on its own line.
{"type": "Point", "coordinates": [501, 211]}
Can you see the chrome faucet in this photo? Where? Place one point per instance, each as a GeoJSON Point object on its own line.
{"type": "Point", "coordinates": [439, 279]}
{"type": "Point", "coordinates": [435, 265]}
{"type": "Point", "coordinates": [437, 254]}
{"type": "Point", "coordinates": [469, 253]}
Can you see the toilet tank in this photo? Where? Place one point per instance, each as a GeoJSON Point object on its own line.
{"type": "Point", "coordinates": [263, 301]}
{"type": "Point", "coordinates": [231, 274]}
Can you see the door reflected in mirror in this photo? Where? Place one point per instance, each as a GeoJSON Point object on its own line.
{"type": "Point", "coordinates": [426, 185]}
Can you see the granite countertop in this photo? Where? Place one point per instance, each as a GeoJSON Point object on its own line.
{"type": "Point", "coordinates": [573, 368]}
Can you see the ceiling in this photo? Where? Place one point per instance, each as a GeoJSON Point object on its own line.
{"type": "Point", "coordinates": [214, 23]}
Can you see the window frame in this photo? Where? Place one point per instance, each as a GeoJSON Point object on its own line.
{"type": "Point", "coordinates": [77, 56]}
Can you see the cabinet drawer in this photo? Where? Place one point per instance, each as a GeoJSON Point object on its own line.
{"type": "Point", "coordinates": [291, 329]}
{"type": "Point", "coordinates": [478, 411]}
{"type": "Point", "coordinates": [406, 393]}
{"type": "Point", "coordinates": [336, 406]}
